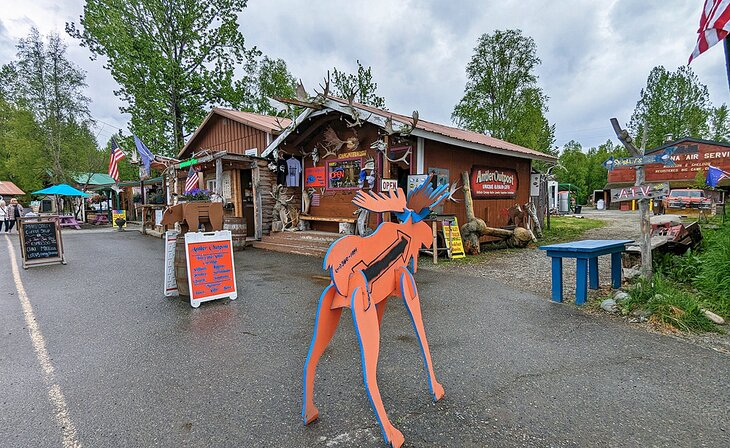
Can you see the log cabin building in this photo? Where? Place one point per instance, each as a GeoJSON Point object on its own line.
{"type": "Point", "coordinates": [691, 158]}
{"type": "Point", "coordinates": [225, 150]}
{"type": "Point", "coordinates": [347, 146]}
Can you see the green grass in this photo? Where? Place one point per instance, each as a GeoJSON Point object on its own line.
{"type": "Point", "coordinates": [670, 305]}
{"type": "Point", "coordinates": [684, 284]}
{"type": "Point", "coordinates": [567, 228]}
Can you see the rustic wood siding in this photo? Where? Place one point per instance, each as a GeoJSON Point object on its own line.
{"type": "Point", "coordinates": [337, 203]}
{"type": "Point", "coordinates": [456, 160]}
{"type": "Point", "coordinates": [224, 134]}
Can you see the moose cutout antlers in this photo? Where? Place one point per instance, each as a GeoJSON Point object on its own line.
{"type": "Point", "coordinates": [365, 272]}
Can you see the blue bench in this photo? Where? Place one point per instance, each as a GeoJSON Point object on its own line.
{"type": "Point", "coordinates": [586, 253]}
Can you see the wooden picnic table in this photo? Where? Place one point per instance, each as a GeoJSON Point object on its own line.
{"type": "Point", "coordinates": [586, 253]}
{"type": "Point", "coordinates": [68, 221]}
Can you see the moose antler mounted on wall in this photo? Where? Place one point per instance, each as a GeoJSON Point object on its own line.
{"type": "Point", "coordinates": [365, 271]}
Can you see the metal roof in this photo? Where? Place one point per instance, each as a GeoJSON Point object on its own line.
{"type": "Point", "coordinates": [426, 129]}
{"type": "Point", "coordinates": [94, 179]}
{"type": "Point", "coordinates": [454, 132]}
{"type": "Point", "coordinates": [8, 188]}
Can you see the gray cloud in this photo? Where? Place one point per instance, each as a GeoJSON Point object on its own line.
{"type": "Point", "coordinates": [596, 56]}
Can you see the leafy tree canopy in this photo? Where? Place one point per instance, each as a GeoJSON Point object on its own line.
{"type": "Point", "coordinates": [45, 136]}
{"type": "Point", "coordinates": [584, 169]}
{"type": "Point", "coordinates": [675, 103]}
{"type": "Point", "coordinates": [173, 60]}
{"type": "Point", "coordinates": [361, 85]}
{"type": "Point", "coordinates": [501, 97]}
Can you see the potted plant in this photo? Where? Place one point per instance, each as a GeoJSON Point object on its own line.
{"type": "Point", "coordinates": [196, 194]}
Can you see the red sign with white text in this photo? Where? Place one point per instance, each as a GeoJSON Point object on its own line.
{"type": "Point", "coordinates": [315, 177]}
{"type": "Point", "coordinates": [492, 182]}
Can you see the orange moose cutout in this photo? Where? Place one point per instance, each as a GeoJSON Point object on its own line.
{"type": "Point", "coordinates": [365, 271]}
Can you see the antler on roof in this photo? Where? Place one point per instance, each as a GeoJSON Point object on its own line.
{"type": "Point", "coordinates": [425, 196]}
{"type": "Point", "coordinates": [394, 201]}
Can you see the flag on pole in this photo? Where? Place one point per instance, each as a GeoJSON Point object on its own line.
{"type": "Point", "coordinates": [114, 158]}
{"type": "Point", "coordinates": [146, 155]}
{"type": "Point", "coordinates": [192, 181]}
{"type": "Point", "coordinates": [714, 26]}
{"type": "Point", "coordinates": [715, 175]}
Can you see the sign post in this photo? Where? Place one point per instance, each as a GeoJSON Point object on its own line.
{"type": "Point", "coordinates": [40, 241]}
{"type": "Point", "coordinates": [638, 160]}
{"type": "Point", "coordinates": [211, 273]}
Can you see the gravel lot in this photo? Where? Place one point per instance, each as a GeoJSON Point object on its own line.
{"type": "Point", "coordinates": [529, 270]}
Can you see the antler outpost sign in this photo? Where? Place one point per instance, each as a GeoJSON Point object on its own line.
{"type": "Point", "coordinates": [489, 183]}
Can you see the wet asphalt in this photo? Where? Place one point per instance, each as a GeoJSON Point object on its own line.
{"type": "Point", "coordinates": [141, 370]}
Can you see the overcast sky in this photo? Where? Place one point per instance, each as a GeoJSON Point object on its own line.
{"type": "Point", "coordinates": [594, 60]}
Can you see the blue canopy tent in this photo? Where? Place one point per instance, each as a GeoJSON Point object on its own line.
{"type": "Point", "coordinates": [61, 190]}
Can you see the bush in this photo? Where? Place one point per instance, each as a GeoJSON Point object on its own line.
{"type": "Point", "coordinates": [713, 279]}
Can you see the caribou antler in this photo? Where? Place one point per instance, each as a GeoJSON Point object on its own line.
{"type": "Point", "coordinates": [403, 158]}
{"type": "Point", "coordinates": [453, 189]}
{"type": "Point", "coordinates": [406, 129]}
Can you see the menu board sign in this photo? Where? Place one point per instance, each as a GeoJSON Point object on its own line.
{"type": "Point", "coordinates": [40, 241]}
{"type": "Point", "coordinates": [211, 273]}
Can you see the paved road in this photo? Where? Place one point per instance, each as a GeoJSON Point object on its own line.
{"type": "Point", "coordinates": [137, 369]}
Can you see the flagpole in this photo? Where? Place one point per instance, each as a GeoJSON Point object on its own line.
{"type": "Point", "coordinates": [727, 59]}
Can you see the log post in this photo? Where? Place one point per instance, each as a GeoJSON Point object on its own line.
{"type": "Point", "coordinates": [474, 227]}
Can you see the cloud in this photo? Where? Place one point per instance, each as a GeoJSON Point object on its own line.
{"type": "Point", "coordinates": [595, 56]}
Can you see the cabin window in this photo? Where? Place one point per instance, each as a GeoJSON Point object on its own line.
{"type": "Point", "coordinates": [343, 174]}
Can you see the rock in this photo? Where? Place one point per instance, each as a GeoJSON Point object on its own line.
{"type": "Point", "coordinates": [713, 317]}
{"type": "Point", "coordinates": [609, 305]}
{"type": "Point", "coordinates": [631, 273]}
{"type": "Point", "coordinates": [642, 313]}
{"type": "Point", "coordinates": [620, 296]}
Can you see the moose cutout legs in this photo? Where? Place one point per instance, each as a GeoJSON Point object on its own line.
{"type": "Point", "coordinates": [324, 328]}
{"type": "Point", "coordinates": [367, 328]}
{"type": "Point", "coordinates": [413, 305]}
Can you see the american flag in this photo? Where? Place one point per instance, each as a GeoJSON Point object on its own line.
{"type": "Point", "coordinates": [714, 26]}
{"type": "Point", "coordinates": [114, 158]}
{"type": "Point", "coordinates": [192, 181]}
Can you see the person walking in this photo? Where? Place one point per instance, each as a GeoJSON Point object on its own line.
{"type": "Point", "coordinates": [15, 211]}
{"type": "Point", "coordinates": [3, 216]}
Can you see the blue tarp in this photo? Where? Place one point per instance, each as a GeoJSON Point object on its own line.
{"type": "Point", "coordinates": [62, 190]}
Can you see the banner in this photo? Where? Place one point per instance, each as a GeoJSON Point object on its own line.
{"type": "Point", "coordinates": [492, 182]}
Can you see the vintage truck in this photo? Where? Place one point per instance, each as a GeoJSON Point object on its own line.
{"type": "Point", "coordinates": [687, 198]}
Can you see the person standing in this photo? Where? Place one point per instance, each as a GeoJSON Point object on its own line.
{"type": "Point", "coordinates": [15, 211]}
{"type": "Point", "coordinates": [3, 216]}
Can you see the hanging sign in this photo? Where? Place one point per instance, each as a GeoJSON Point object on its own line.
{"type": "Point", "coordinates": [663, 157]}
{"type": "Point", "coordinates": [40, 241]}
{"type": "Point", "coordinates": [348, 155]}
{"type": "Point", "coordinates": [170, 281]}
{"type": "Point", "coordinates": [643, 191]}
{"type": "Point", "coordinates": [211, 274]}
{"type": "Point", "coordinates": [492, 182]}
{"type": "Point", "coordinates": [452, 236]}
{"type": "Point", "coordinates": [315, 177]}
{"type": "Point", "coordinates": [116, 214]}
{"type": "Point", "coordinates": [388, 184]}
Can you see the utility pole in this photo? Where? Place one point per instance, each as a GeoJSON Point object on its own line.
{"type": "Point", "coordinates": [645, 242]}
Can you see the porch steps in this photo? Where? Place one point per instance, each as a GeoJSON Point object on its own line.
{"type": "Point", "coordinates": [309, 242]}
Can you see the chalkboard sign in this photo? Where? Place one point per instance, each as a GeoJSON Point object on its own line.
{"type": "Point", "coordinates": [211, 273]}
{"type": "Point", "coordinates": [40, 241]}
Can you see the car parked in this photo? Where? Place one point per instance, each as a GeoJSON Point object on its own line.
{"type": "Point", "coordinates": [685, 198]}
